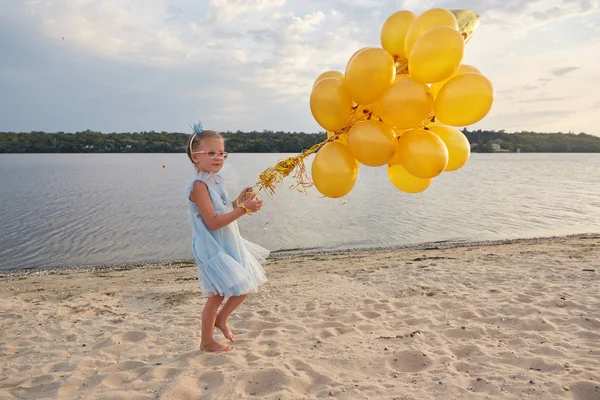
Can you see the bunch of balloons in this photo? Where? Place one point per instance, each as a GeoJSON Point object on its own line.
{"type": "Point", "coordinates": [399, 105]}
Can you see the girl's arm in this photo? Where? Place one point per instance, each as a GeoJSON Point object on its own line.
{"type": "Point", "coordinates": [201, 197]}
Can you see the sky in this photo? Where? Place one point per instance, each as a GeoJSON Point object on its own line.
{"type": "Point", "coordinates": [140, 65]}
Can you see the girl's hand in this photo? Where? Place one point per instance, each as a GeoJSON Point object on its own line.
{"type": "Point", "coordinates": [253, 205]}
{"type": "Point", "coordinates": [247, 194]}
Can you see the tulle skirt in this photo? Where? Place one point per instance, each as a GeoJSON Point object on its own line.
{"type": "Point", "coordinates": [223, 275]}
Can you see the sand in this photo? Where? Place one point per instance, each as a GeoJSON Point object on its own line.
{"type": "Point", "coordinates": [511, 321]}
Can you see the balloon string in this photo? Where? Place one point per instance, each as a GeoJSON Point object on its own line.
{"type": "Point", "coordinates": [272, 176]}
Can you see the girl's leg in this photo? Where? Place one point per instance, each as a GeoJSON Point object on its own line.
{"type": "Point", "coordinates": [221, 322]}
{"type": "Point", "coordinates": [209, 315]}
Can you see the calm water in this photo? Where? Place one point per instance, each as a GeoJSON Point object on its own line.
{"type": "Point", "coordinates": [60, 210]}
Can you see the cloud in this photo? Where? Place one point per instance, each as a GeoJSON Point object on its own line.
{"type": "Point", "coordinates": [519, 17]}
{"type": "Point", "coordinates": [227, 10]}
{"type": "Point", "coordinates": [562, 71]}
{"type": "Point", "coordinates": [544, 99]}
{"type": "Point", "coordinates": [566, 9]}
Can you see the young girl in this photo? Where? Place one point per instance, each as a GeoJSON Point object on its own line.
{"type": "Point", "coordinates": [228, 265]}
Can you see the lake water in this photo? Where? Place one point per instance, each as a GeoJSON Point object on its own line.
{"type": "Point", "coordinates": [90, 209]}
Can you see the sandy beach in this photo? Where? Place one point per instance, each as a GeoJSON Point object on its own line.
{"type": "Point", "coordinates": [519, 320]}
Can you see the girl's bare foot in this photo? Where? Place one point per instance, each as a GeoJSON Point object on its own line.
{"type": "Point", "coordinates": [225, 329]}
{"type": "Point", "coordinates": [215, 347]}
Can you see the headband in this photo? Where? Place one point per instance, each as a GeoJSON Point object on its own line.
{"type": "Point", "coordinates": [198, 129]}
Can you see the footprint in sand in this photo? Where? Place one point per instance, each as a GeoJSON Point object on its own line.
{"type": "Point", "coordinates": [164, 373]}
{"type": "Point", "coordinates": [371, 314]}
{"type": "Point", "coordinates": [123, 366]}
{"type": "Point", "coordinates": [467, 351]}
{"type": "Point", "coordinates": [481, 385]}
{"type": "Point", "coordinates": [121, 373]}
{"type": "Point", "coordinates": [270, 333]}
{"type": "Point", "coordinates": [31, 391]}
{"type": "Point", "coordinates": [271, 353]}
{"type": "Point", "coordinates": [102, 343]}
{"type": "Point", "coordinates": [265, 382]}
{"type": "Point", "coordinates": [410, 361]}
{"type": "Point", "coordinates": [585, 390]}
{"type": "Point", "coordinates": [331, 332]}
{"type": "Point", "coordinates": [316, 378]}
{"type": "Point", "coordinates": [117, 379]}
{"type": "Point", "coordinates": [58, 367]}
{"type": "Point", "coordinates": [212, 379]}
{"type": "Point", "coordinates": [133, 336]}
{"type": "Point", "coordinates": [187, 387]}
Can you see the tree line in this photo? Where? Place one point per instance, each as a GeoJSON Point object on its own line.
{"type": "Point", "coordinates": [269, 142]}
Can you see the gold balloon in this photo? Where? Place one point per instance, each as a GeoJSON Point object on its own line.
{"type": "Point", "coordinates": [394, 32]}
{"type": "Point", "coordinates": [334, 170]}
{"type": "Point", "coordinates": [369, 73]}
{"type": "Point", "coordinates": [457, 144]}
{"type": "Point", "coordinates": [436, 55]}
{"type": "Point", "coordinates": [329, 74]}
{"type": "Point", "coordinates": [466, 68]}
{"type": "Point", "coordinates": [464, 100]}
{"type": "Point", "coordinates": [463, 69]}
{"type": "Point", "coordinates": [423, 153]}
{"type": "Point", "coordinates": [405, 181]}
{"type": "Point", "coordinates": [468, 21]}
{"type": "Point", "coordinates": [372, 142]}
{"type": "Point", "coordinates": [331, 104]}
{"type": "Point", "coordinates": [342, 138]}
{"type": "Point", "coordinates": [396, 157]}
{"type": "Point", "coordinates": [406, 104]}
{"type": "Point", "coordinates": [395, 160]}
{"type": "Point", "coordinates": [355, 53]}
{"type": "Point", "coordinates": [430, 19]}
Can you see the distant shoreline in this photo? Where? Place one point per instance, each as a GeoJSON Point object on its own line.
{"type": "Point", "coordinates": [272, 142]}
{"type": "Point", "coordinates": [290, 254]}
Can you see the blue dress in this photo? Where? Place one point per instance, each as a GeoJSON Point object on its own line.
{"type": "Point", "coordinates": [228, 264]}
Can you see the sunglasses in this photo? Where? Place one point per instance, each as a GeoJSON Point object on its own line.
{"type": "Point", "coordinates": [213, 154]}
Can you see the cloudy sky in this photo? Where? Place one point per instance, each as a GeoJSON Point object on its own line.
{"type": "Point", "coordinates": [132, 65]}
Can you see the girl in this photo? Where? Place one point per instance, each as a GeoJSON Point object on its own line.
{"type": "Point", "coordinates": [228, 265]}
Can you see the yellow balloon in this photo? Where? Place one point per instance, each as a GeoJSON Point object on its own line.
{"type": "Point", "coordinates": [423, 153]}
{"type": "Point", "coordinates": [372, 142]}
{"type": "Point", "coordinates": [430, 19]}
{"type": "Point", "coordinates": [457, 144]}
{"type": "Point", "coordinates": [463, 69]}
{"type": "Point", "coordinates": [394, 32]}
{"type": "Point", "coordinates": [334, 170]}
{"type": "Point", "coordinates": [395, 160]}
{"type": "Point", "coordinates": [464, 100]}
{"type": "Point", "coordinates": [331, 104]}
{"type": "Point", "coordinates": [355, 53]}
{"type": "Point", "coordinates": [406, 104]}
{"type": "Point", "coordinates": [342, 138]}
{"type": "Point", "coordinates": [369, 73]}
{"type": "Point", "coordinates": [436, 55]}
{"type": "Point", "coordinates": [405, 181]}
{"type": "Point", "coordinates": [329, 74]}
